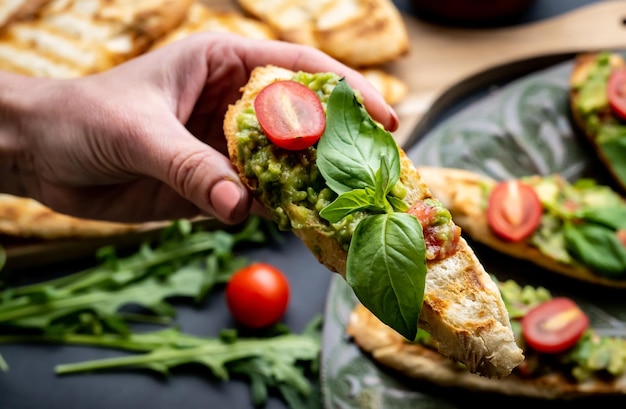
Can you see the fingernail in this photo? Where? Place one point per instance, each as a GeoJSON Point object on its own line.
{"type": "Point", "coordinates": [226, 199]}
{"type": "Point", "coordinates": [395, 122]}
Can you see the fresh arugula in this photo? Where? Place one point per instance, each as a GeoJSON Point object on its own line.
{"type": "Point", "coordinates": [87, 308]}
{"type": "Point", "coordinates": [184, 263]}
{"type": "Point", "coordinates": [360, 161]}
{"type": "Point", "coordinates": [279, 363]}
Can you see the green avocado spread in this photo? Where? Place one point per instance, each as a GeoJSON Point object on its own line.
{"type": "Point", "coordinates": [289, 181]}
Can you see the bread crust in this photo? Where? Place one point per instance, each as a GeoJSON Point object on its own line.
{"type": "Point", "coordinates": [461, 191]}
{"type": "Point", "coordinates": [462, 308]}
{"type": "Point", "coordinates": [388, 348]}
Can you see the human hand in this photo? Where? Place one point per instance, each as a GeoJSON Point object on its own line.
{"type": "Point", "coordinates": [144, 140]}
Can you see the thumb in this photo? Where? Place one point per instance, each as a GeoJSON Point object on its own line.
{"type": "Point", "coordinates": [200, 174]}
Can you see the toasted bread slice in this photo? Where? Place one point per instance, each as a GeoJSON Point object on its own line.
{"type": "Point", "coordinates": [357, 32]}
{"type": "Point", "coordinates": [417, 361]}
{"type": "Point", "coordinates": [462, 307]}
{"type": "Point", "coordinates": [464, 193]}
{"type": "Point", "coordinates": [70, 38]}
{"type": "Point", "coordinates": [592, 112]}
{"type": "Point", "coordinates": [203, 18]}
{"type": "Point", "coordinates": [11, 11]}
{"type": "Point", "coordinates": [392, 88]}
{"type": "Point", "coordinates": [27, 218]}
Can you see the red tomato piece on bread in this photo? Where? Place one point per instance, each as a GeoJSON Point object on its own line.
{"type": "Point", "coordinates": [616, 92]}
{"type": "Point", "coordinates": [554, 326]}
{"type": "Point", "coordinates": [290, 114]}
{"type": "Point", "coordinates": [514, 210]}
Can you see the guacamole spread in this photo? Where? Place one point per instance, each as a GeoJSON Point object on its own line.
{"type": "Point", "coordinates": [592, 104]}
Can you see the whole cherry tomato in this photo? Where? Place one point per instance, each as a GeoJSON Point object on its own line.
{"type": "Point", "coordinates": [554, 326]}
{"type": "Point", "coordinates": [290, 114]}
{"type": "Point", "coordinates": [257, 295]}
{"type": "Point", "coordinates": [616, 92]}
{"type": "Point", "coordinates": [513, 210]}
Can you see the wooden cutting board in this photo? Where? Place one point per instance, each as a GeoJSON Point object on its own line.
{"type": "Point", "coordinates": [441, 57]}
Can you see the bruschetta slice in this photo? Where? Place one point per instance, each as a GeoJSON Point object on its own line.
{"type": "Point", "coordinates": [574, 229]}
{"type": "Point", "coordinates": [563, 374]}
{"type": "Point", "coordinates": [358, 203]}
{"type": "Point", "coordinates": [598, 106]}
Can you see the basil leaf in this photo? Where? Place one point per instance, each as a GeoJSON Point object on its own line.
{"type": "Point", "coordinates": [612, 217]}
{"type": "Point", "coordinates": [398, 205]}
{"type": "Point", "coordinates": [349, 152]}
{"type": "Point", "coordinates": [386, 268]}
{"type": "Point", "coordinates": [349, 202]}
{"type": "Point", "coordinates": [613, 147]}
{"type": "Point", "coordinates": [596, 247]}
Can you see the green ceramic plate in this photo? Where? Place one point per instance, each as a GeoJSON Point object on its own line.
{"type": "Point", "coordinates": [517, 129]}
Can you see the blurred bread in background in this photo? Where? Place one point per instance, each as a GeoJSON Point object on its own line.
{"type": "Point", "coordinates": [356, 32]}
{"type": "Point", "coordinates": [70, 38]}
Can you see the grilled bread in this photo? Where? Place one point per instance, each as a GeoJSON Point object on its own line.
{"type": "Point", "coordinates": [11, 11]}
{"type": "Point", "coordinates": [539, 377]}
{"type": "Point", "coordinates": [27, 218]}
{"type": "Point", "coordinates": [465, 194]}
{"type": "Point", "coordinates": [356, 32]}
{"type": "Point", "coordinates": [462, 307]}
{"type": "Point", "coordinates": [202, 18]}
{"type": "Point", "coordinates": [70, 38]}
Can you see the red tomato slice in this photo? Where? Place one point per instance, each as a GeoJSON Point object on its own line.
{"type": "Point", "coordinates": [554, 326]}
{"type": "Point", "coordinates": [514, 210]}
{"type": "Point", "coordinates": [290, 114]}
{"type": "Point", "coordinates": [257, 295]}
{"type": "Point", "coordinates": [616, 91]}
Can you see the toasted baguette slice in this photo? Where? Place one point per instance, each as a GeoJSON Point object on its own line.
{"type": "Point", "coordinates": [464, 193]}
{"type": "Point", "coordinates": [462, 307]}
{"type": "Point", "coordinates": [357, 32]}
{"type": "Point", "coordinates": [593, 115]}
{"type": "Point", "coordinates": [203, 18]}
{"type": "Point", "coordinates": [27, 218]}
{"type": "Point", "coordinates": [11, 11]}
{"type": "Point", "coordinates": [70, 38]}
{"type": "Point", "coordinates": [392, 88]}
{"type": "Point", "coordinates": [417, 361]}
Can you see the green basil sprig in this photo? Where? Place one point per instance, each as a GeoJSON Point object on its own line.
{"type": "Point", "coordinates": [597, 246]}
{"type": "Point", "coordinates": [360, 161]}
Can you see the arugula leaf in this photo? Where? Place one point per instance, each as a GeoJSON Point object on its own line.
{"type": "Point", "coordinates": [346, 158]}
{"type": "Point", "coordinates": [279, 362]}
{"type": "Point", "coordinates": [185, 263]}
{"type": "Point", "coordinates": [387, 269]}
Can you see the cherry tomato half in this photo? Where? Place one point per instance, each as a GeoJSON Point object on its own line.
{"type": "Point", "coordinates": [514, 210]}
{"type": "Point", "coordinates": [616, 92]}
{"type": "Point", "coordinates": [290, 114]}
{"type": "Point", "coordinates": [554, 326]}
{"type": "Point", "coordinates": [257, 295]}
